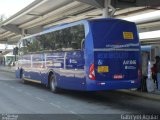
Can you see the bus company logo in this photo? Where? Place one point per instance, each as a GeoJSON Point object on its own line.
{"type": "Point", "coordinates": [73, 61]}
{"type": "Point", "coordinates": [100, 62]}
{"type": "Point", "coordinates": [129, 62]}
{"type": "Point", "coordinates": [123, 46]}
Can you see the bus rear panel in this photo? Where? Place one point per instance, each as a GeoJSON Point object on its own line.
{"type": "Point", "coordinates": [116, 55]}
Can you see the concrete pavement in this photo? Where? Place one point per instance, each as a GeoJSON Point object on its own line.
{"type": "Point", "coordinates": [17, 97]}
{"type": "Point", "coordinates": [36, 102]}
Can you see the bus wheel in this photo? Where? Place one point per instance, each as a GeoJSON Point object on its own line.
{"type": "Point", "coordinates": [53, 84]}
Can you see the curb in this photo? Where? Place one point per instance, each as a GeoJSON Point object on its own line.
{"type": "Point", "coordinates": [150, 96]}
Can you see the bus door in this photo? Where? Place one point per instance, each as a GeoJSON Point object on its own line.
{"type": "Point", "coordinates": [37, 64]}
{"type": "Point", "coordinates": [25, 63]}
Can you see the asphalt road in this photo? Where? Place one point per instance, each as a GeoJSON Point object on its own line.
{"type": "Point", "coordinates": [28, 100]}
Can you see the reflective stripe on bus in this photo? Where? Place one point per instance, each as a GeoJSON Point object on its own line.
{"type": "Point", "coordinates": [111, 49]}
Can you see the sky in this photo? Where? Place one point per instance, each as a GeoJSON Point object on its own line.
{"type": "Point", "coordinates": [4, 46]}
{"type": "Point", "coordinates": [10, 7]}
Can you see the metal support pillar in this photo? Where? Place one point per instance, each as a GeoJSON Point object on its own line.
{"type": "Point", "coordinates": [6, 44]}
{"type": "Point", "coordinates": [23, 33]}
{"type": "Point", "coordinates": [108, 10]}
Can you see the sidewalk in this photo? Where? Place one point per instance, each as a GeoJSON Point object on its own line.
{"type": "Point", "coordinates": [152, 96]}
{"type": "Point", "coordinates": [7, 69]}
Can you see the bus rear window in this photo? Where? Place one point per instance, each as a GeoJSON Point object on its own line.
{"type": "Point", "coordinates": [110, 33]}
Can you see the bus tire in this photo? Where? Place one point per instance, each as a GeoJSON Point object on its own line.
{"type": "Point", "coordinates": [53, 84]}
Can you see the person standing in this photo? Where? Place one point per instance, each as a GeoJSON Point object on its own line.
{"type": "Point", "coordinates": [158, 70]}
{"type": "Point", "coordinates": [154, 74]}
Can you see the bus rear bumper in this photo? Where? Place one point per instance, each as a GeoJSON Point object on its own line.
{"type": "Point", "coordinates": [112, 85]}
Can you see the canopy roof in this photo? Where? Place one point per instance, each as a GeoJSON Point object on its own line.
{"type": "Point", "coordinates": [42, 14]}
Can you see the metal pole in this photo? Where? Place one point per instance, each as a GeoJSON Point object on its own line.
{"type": "Point", "coordinates": [106, 9]}
{"type": "Point", "coordinates": [15, 58]}
{"type": "Point", "coordinates": [23, 32]}
{"type": "Point", "coordinates": [6, 45]}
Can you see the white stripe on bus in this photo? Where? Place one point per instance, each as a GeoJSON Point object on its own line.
{"type": "Point", "coordinates": [111, 49]}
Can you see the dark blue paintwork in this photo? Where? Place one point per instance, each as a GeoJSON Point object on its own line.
{"type": "Point", "coordinates": [71, 68]}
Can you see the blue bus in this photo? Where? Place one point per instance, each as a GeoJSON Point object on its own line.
{"type": "Point", "coordinates": [88, 55]}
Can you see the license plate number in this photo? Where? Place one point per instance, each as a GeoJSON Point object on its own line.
{"type": "Point", "coordinates": [103, 69]}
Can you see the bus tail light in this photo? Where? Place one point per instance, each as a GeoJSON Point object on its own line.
{"type": "Point", "coordinates": [92, 72]}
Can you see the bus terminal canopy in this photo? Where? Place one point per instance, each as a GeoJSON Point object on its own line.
{"type": "Point", "coordinates": [42, 14]}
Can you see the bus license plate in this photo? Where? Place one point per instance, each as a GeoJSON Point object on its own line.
{"type": "Point", "coordinates": [103, 69]}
